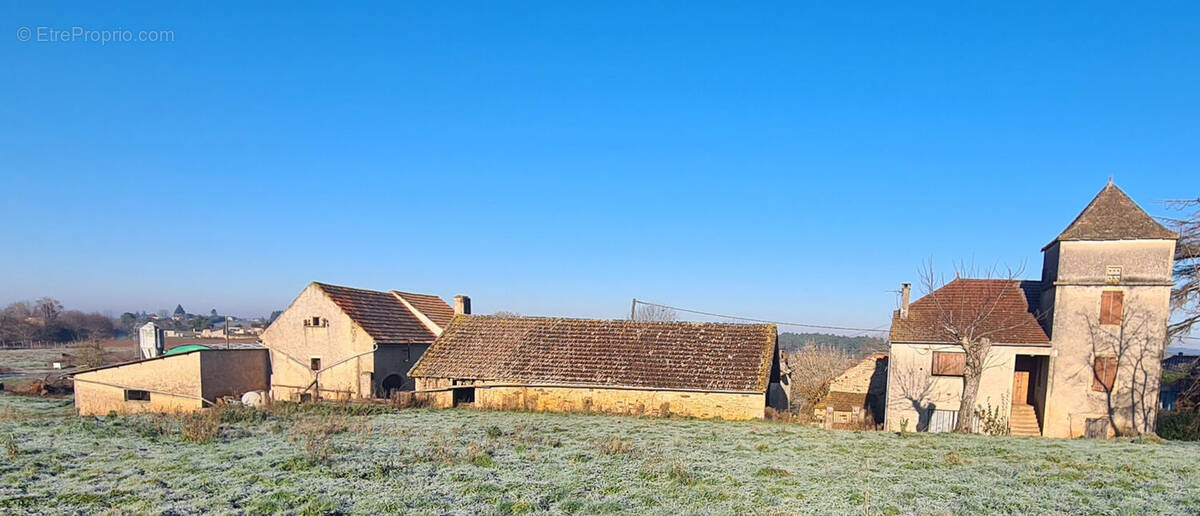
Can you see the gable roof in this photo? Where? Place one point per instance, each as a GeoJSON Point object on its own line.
{"type": "Point", "coordinates": [1112, 215]}
{"type": "Point", "coordinates": [603, 353]}
{"type": "Point", "coordinates": [1007, 310]}
{"type": "Point", "coordinates": [431, 306]}
{"type": "Point", "coordinates": [381, 314]}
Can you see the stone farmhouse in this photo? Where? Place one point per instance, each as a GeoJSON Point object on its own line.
{"type": "Point", "coordinates": [344, 343]}
{"type": "Point", "coordinates": [1083, 342]}
{"type": "Point", "coordinates": [705, 370]}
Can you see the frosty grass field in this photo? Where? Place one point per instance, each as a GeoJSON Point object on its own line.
{"type": "Point", "coordinates": [371, 459]}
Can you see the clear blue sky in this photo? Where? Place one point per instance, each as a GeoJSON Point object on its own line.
{"type": "Point", "coordinates": [785, 162]}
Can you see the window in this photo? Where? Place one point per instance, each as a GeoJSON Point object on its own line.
{"type": "Point", "coordinates": [136, 395]}
{"type": "Point", "coordinates": [1112, 274]}
{"type": "Point", "coordinates": [1105, 374]}
{"type": "Point", "coordinates": [314, 321]}
{"type": "Point", "coordinates": [315, 363]}
{"type": "Point", "coordinates": [1111, 307]}
{"type": "Point", "coordinates": [949, 363]}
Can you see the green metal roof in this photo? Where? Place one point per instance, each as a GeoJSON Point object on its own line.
{"type": "Point", "coordinates": [185, 349]}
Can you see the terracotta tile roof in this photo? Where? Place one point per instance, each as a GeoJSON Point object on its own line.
{"type": "Point", "coordinates": [380, 314]}
{"type": "Point", "coordinates": [432, 306]}
{"type": "Point", "coordinates": [1005, 309]}
{"type": "Point", "coordinates": [1112, 215]}
{"type": "Point", "coordinates": [843, 401]}
{"type": "Point", "coordinates": [663, 355]}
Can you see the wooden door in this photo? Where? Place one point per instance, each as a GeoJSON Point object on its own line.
{"type": "Point", "coordinates": [1020, 390]}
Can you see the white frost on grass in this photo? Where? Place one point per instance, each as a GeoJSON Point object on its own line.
{"type": "Point", "coordinates": [470, 462]}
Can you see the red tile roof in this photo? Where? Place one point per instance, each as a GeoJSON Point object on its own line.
{"type": "Point", "coordinates": [1112, 215]}
{"type": "Point", "coordinates": [1006, 311]}
{"type": "Point", "coordinates": [381, 315]}
{"type": "Point", "coordinates": [432, 306]}
{"type": "Point", "coordinates": [661, 355]}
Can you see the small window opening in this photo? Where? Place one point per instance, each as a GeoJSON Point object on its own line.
{"type": "Point", "coordinates": [136, 395]}
{"type": "Point", "coordinates": [314, 363]}
{"type": "Point", "coordinates": [1112, 274]}
{"type": "Point", "coordinates": [314, 321]}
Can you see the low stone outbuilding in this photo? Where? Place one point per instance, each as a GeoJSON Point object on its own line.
{"type": "Point", "coordinates": [858, 396]}
{"type": "Point", "coordinates": [704, 370]}
{"type": "Point", "coordinates": [337, 342]}
{"type": "Point", "coordinates": [180, 382]}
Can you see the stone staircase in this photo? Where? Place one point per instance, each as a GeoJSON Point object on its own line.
{"type": "Point", "coordinates": [1023, 421]}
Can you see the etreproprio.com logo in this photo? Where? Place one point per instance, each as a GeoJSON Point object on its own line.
{"type": "Point", "coordinates": [77, 34]}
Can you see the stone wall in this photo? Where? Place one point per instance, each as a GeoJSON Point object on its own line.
{"type": "Point", "coordinates": [338, 339]}
{"type": "Point", "coordinates": [730, 406]}
{"type": "Point", "coordinates": [233, 372]}
{"type": "Point", "coordinates": [176, 374]}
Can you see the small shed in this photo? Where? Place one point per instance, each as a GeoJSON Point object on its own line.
{"type": "Point", "coordinates": [151, 340]}
{"type": "Point", "coordinates": [177, 382]}
{"type": "Point", "coordinates": [857, 396]}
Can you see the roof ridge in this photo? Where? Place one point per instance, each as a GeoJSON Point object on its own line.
{"type": "Point", "coordinates": [597, 319]}
{"type": "Point", "coordinates": [1113, 215]}
{"type": "Point", "coordinates": [320, 284]}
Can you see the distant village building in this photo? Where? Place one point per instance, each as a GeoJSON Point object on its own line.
{"type": "Point", "coordinates": [337, 342]}
{"type": "Point", "coordinates": [857, 396]}
{"type": "Point", "coordinates": [1095, 323]}
{"type": "Point", "coordinates": [151, 340]}
{"type": "Point", "coordinates": [179, 313]}
{"type": "Point", "coordinates": [702, 370]}
{"type": "Point", "coordinates": [176, 382]}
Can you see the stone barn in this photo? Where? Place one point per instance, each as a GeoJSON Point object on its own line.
{"type": "Point", "coordinates": [856, 397]}
{"type": "Point", "coordinates": [337, 342]}
{"type": "Point", "coordinates": [179, 382]}
{"type": "Point", "coordinates": [704, 370]}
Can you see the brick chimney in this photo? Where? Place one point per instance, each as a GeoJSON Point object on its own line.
{"type": "Point", "coordinates": [905, 292]}
{"type": "Point", "coordinates": [462, 305]}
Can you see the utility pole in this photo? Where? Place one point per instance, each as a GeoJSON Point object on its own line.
{"type": "Point", "coordinates": [632, 309]}
{"type": "Point", "coordinates": [227, 332]}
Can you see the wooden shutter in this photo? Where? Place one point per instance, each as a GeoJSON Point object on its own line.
{"type": "Point", "coordinates": [949, 364]}
{"type": "Point", "coordinates": [1111, 307]}
{"type": "Point", "coordinates": [1106, 374]}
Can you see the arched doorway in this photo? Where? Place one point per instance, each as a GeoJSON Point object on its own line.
{"type": "Point", "coordinates": [391, 384]}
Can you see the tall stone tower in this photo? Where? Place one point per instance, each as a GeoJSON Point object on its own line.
{"type": "Point", "coordinates": [1106, 300]}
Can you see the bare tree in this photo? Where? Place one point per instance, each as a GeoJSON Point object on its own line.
{"type": "Point", "coordinates": [47, 309]}
{"type": "Point", "coordinates": [813, 368]}
{"type": "Point", "coordinates": [648, 312]}
{"type": "Point", "coordinates": [1185, 297]}
{"type": "Point", "coordinates": [972, 322]}
{"type": "Point", "coordinates": [1125, 360]}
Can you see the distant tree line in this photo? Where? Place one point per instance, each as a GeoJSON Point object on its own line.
{"type": "Point", "coordinates": [852, 346]}
{"type": "Point", "coordinates": [45, 320]}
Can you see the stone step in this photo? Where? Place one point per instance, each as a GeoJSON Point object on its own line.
{"type": "Point", "coordinates": [1023, 421]}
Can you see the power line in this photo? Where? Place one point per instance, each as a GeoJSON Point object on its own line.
{"type": "Point", "coordinates": [876, 329]}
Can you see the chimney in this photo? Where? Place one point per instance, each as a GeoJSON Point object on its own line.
{"type": "Point", "coordinates": [905, 292]}
{"type": "Point", "coordinates": [462, 305]}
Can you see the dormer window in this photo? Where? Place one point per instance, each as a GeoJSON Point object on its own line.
{"type": "Point", "coordinates": [1112, 274]}
{"type": "Point", "coordinates": [315, 321]}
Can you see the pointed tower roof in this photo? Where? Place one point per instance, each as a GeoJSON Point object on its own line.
{"type": "Point", "coordinates": [1112, 215]}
